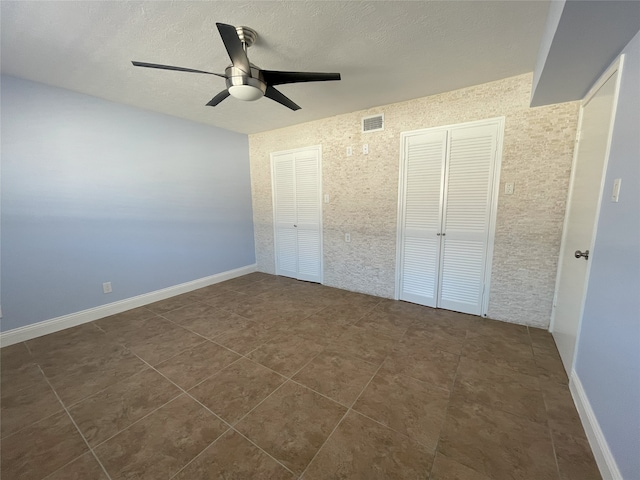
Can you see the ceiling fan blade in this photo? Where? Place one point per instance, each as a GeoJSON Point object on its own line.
{"type": "Point", "coordinates": [234, 48]}
{"type": "Point", "coordinates": [178, 69]}
{"type": "Point", "coordinates": [275, 95]}
{"type": "Point", "coordinates": [218, 98]}
{"type": "Point", "coordinates": [273, 77]}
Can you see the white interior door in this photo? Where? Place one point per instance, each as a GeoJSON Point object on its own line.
{"type": "Point", "coordinates": [467, 217]}
{"type": "Point", "coordinates": [421, 224]}
{"type": "Point", "coordinates": [296, 179]}
{"type": "Point", "coordinates": [585, 192]}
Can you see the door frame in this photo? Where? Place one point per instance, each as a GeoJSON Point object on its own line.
{"type": "Point", "coordinates": [616, 66]}
{"type": "Point", "coordinates": [318, 149]}
{"type": "Point", "coordinates": [495, 192]}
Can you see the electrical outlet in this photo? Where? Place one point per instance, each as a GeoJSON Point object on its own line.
{"type": "Point", "coordinates": [508, 188]}
{"type": "Point", "coordinates": [349, 151]}
{"type": "Point", "coordinates": [365, 149]}
{"type": "Point", "coordinates": [326, 198]}
{"type": "Point", "coordinates": [347, 237]}
{"type": "Point", "coordinates": [106, 287]}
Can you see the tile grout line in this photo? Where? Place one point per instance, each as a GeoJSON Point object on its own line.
{"type": "Point", "coordinates": [231, 426]}
{"type": "Point", "coordinates": [342, 419]}
{"type": "Point", "coordinates": [77, 428]}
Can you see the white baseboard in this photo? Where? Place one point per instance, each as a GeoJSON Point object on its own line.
{"type": "Point", "coordinates": [604, 458]}
{"type": "Point", "coordinates": [45, 327]}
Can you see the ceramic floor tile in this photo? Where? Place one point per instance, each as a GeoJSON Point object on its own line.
{"type": "Point", "coordinates": [500, 388]}
{"type": "Point", "coordinates": [227, 300]}
{"type": "Point", "coordinates": [233, 457]}
{"type": "Point", "coordinates": [18, 370]}
{"type": "Point", "coordinates": [119, 405]}
{"type": "Point", "coordinates": [361, 449]}
{"type": "Point", "coordinates": [169, 304]}
{"type": "Point", "coordinates": [162, 443]}
{"type": "Point", "coordinates": [85, 467]}
{"type": "Point", "coordinates": [165, 345]}
{"type": "Point", "coordinates": [138, 329]}
{"type": "Point", "coordinates": [292, 424]}
{"type": "Point", "coordinates": [575, 459]}
{"type": "Point", "coordinates": [337, 375]}
{"type": "Point", "coordinates": [365, 344]}
{"type": "Point", "coordinates": [416, 361]}
{"type": "Point", "coordinates": [205, 320]}
{"type": "Point", "coordinates": [408, 406]}
{"type": "Point", "coordinates": [92, 373]}
{"type": "Point", "coordinates": [431, 336]}
{"type": "Point", "coordinates": [27, 406]}
{"type": "Point", "coordinates": [235, 390]}
{"type": "Point", "coordinates": [67, 344]}
{"type": "Point", "coordinates": [550, 368]}
{"type": "Point", "coordinates": [386, 323]}
{"type": "Point", "coordinates": [286, 354]}
{"type": "Point", "coordinates": [500, 352]}
{"type": "Point", "coordinates": [561, 410]}
{"type": "Point", "coordinates": [40, 449]}
{"type": "Point", "coordinates": [498, 444]}
{"type": "Point", "coordinates": [446, 469]}
{"type": "Point", "coordinates": [194, 365]}
{"type": "Point", "coordinates": [406, 310]}
{"type": "Point", "coordinates": [246, 338]}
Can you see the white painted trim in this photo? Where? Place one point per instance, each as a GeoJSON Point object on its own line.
{"type": "Point", "coordinates": [45, 327]}
{"type": "Point", "coordinates": [615, 67]}
{"type": "Point", "coordinates": [604, 458]}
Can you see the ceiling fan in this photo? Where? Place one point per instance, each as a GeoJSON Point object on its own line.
{"type": "Point", "coordinates": [245, 81]}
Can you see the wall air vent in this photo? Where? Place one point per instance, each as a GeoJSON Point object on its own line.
{"type": "Point", "coordinates": [373, 123]}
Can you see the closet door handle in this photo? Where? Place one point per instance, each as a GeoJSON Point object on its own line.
{"type": "Point", "coordinates": [438, 234]}
{"type": "Point", "coordinates": [443, 234]}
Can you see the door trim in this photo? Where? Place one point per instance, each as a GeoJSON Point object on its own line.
{"type": "Point", "coordinates": [497, 168]}
{"type": "Point", "coordinates": [615, 67]}
{"type": "Point", "coordinates": [317, 148]}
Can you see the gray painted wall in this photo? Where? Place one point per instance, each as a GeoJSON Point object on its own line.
{"type": "Point", "coordinates": [94, 191]}
{"type": "Point", "coordinates": [608, 361]}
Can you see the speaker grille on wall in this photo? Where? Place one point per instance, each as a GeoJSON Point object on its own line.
{"type": "Point", "coordinates": [373, 123]}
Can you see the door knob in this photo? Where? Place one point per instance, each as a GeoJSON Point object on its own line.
{"type": "Point", "coordinates": [584, 254]}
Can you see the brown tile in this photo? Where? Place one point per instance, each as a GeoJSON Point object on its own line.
{"type": "Point", "coordinates": [42, 448]}
{"type": "Point", "coordinates": [337, 375]}
{"type": "Point", "coordinates": [246, 338]}
{"type": "Point", "coordinates": [511, 332]}
{"type": "Point", "coordinates": [365, 344]}
{"type": "Point", "coordinates": [500, 388]}
{"type": "Point", "coordinates": [139, 313]}
{"type": "Point", "coordinates": [68, 344]}
{"type": "Point", "coordinates": [171, 303]}
{"type": "Point", "coordinates": [133, 329]}
{"type": "Point", "coordinates": [226, 300]}
{"type": "Point", "coordinates": [233, 457]}
{"type": "Point", "coordinates": [414, 360]}
{"type": "Point", "coordinates": [501, 352]}
{"type": "Point", "coordinates": [18, 370]}
{"type": "Point", "coordinates": [85, 467]}
{"type": "Point", "coordinates": [286, 354]}
{"type": "Point", "coordinates": [446, 469]}
{"type": "Point", "coordinates": [90, 374]}
{"type": "Point", "coordinates": [497, 444]}
{"type": "Point", "coordinates": [263, 308]}
{"type": "Point", "coordinates": [106, 413]}
{"type": "Point", "coordinates": [316, 327]}
{"type": "Point", "coordinates": [165, 345]}
{"type": "Point", "coordinates": [292, 424]}
{"type": "Point", "coordinates": [244, 280]}
{"type": "Point", "coordinates": [550, 368]}
{"type": "Point", "coordinates": [194, 365]}
{"type": "Point", "coordinates": [162, 443]}
{"type": "Point", "coordinates": [343, 313]}
{"type": "Point", "coordinates": [406, 405]}
{"type": "Point", "coordinates": [27, 406]}
{"type": "Point", "coordinates": [255, 288]}
{"type": "Point", "coordinates": [386, 323]}
{"type": "Point", "coordinates": [575, 459]}
{"type": "Point", "coordinates": [237, 389]}
{"type": "Point", "coordinates": [407, 310]}
{"type": "Point", "coordinates": [206, 320]}
{"type": "Point", "coordinates": [447, 338]}
{"type": "Point", "coordinates": [561, 410]}
{"type": "Point", "coordinates": [363, 449]}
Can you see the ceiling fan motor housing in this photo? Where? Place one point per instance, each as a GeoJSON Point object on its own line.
{"type": "Point", "coordinates": [243, 86]}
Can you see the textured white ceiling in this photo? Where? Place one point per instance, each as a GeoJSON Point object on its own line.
{"type": "Point", "coordinates": [386, 51]}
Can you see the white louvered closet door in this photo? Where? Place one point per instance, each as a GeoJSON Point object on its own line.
{"type": "Point", "coordinates": [466, 220]}
{"type": "Point", "coordinates": [420, 248]}
{"type": "Point", "coordinates": [445, 215]}
{"type": "Point", "coordinates": [298, 214]}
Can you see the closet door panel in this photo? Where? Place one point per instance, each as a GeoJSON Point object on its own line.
{"type": "Point", "coordinates": [307, 173]}
{"type": "Point", "coordinates": [284, 193]}
{"type": "Point", "coordinates": [420, 247]}
{"type": "Point", "coordinates": [468, 188]}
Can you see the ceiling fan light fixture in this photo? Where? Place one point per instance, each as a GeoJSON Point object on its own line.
{"type": "Point", "coordinates": [248, 93]}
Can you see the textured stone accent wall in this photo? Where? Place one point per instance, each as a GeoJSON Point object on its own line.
{"type": "Point", "coordinates": [363, 189]}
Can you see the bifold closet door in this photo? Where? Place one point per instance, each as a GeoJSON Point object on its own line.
{"type": "Point", "coordinates": [420, 249]}
{"type": "Point", "coordinates": [467, 215]}
{"type": "Point", "coordinates": [297, 214]}
{"type": "Point", "coordinates": [445, 211]}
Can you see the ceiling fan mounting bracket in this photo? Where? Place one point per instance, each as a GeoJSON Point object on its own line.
{"type": "Point", "coordinates": [247, 36]}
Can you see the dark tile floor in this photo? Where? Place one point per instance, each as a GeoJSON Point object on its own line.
{"type": "Point", "coordinates": [266, 377]}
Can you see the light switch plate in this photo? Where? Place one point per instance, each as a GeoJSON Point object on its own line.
{"type": "Point", "coordinates": [615, 195]}
{"type": "Point", "coordinates": [326, 198]}
{"type": "Point", "coordinates": [349, 151]}
{"type": "Point", "coordinates": [347, 237]}
{"type": "Point", "coordinates": [365, 149]}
